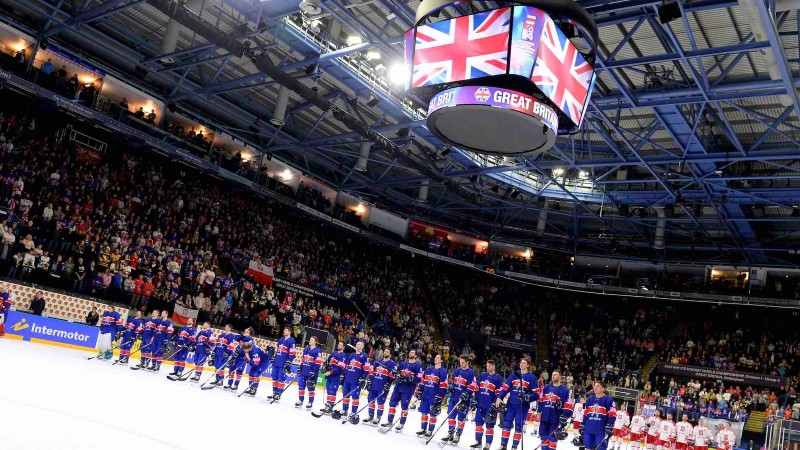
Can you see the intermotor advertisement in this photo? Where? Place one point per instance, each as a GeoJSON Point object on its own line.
{"type": "Point", "coordinates": [31, 327]}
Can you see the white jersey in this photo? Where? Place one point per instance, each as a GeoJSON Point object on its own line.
{"type": "Point", "coordinates": [683, 432]}
{"type": "Point", "coordinates": [701, 436]}
{"type": "Point", "coordinates": [726, 439]}
{"type": "Point", "coordinates": [638, 423]}
{"type": "Point", "coordinates": [652, 425]}
{"type": "Point", "coordinates": [666, 430]}
{"type": "Point", "coordinates": [577, 412]}
{"type": "Point", "coordinates": [623, 419]}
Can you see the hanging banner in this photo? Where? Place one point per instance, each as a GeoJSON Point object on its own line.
{"type": "Point", "coordinates": [182, 314]}
{"type": "Point", "coordinates": [511, 344]}
{"type": "Point", "coordinates": [729, 376]}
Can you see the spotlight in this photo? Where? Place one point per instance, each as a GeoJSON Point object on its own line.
{"type": "Point", "coordinates": [373, 55]}
{"type": "Point", "coordinates": [380, 70]}
{"type": "Point", "coordinates": [354, 40]}
{"type": "Point", "coordinates": [373, 100]}
{"type": "Point", "coordinates": [310, 69]}
{"type": "Point", "coordinates": [398, 75]}
{"type": "Point", "coordinates": [668, 12]}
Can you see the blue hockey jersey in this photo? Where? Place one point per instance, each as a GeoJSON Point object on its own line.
{"type": "Point", "coordinates": [463, 380]}
{"type": "Point", "coordinates": [204, 338]}
{"type": "Point", "coordinates": [597, 412]}
{"type": "Point", "coordinates": [132, 328]}
{"type": "Point", "coordinates": [285, 351]}
{"type": "Point", "coordinates": [357, 367]}
{"type": "Point", "coordinates": [554, 403]}
{"type": "Point", "coordinates": [434, 381]}
{"type": "Point", "coordinates": [337, 363]}
{"type": "Point", "coordinates": [224, 343]}
{"type": "Point", "coordinates": [382, 372]}
{"type": "Point", "coordinates": [186, 336]}
{"type": "Point", "coordinates": [518, 383]}
{"type": "Point", "coordinates": [110, 322]}
{"type": "Point", "coordinates": [259, 359]}
{"type": "Point", "coordinates": [312, 359]}
{"type": "Point", "coordinates": [149, 329]}
{"type": "Point", "coordinates": [488, 388]}
{"type": "Point", "coordinates": [409, 369]}
{"type": "Point", "coordinates": [164, 329]}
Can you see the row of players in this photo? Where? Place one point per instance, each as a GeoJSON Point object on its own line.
{"type": "Point", "coordinates": [656, 433]}
{"type": "Point", "coordinates": [596, 417]}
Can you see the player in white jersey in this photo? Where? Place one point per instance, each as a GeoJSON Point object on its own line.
{"type": "Point", "coordinates": [666, 433]}
{"type": "Point", "coordinates": [622, 420]}
{"type": "Point", "coordinates": [638, 426]}
{"type": "Point", "coordinates": [683, 433]}
{"type": "Point", "coordinates": [652, 429]}
{"type": "Point", "coordinates": [701, 435]}
{"type": "Point", "coordinates": [726, 438]}
{"type": "Point", "coordinates": [577, 415]}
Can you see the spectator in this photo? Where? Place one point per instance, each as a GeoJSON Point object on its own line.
{"type": "Point", "coordinates": [38, 304]}
{"type": "Point", "coordinates": [92, 317]}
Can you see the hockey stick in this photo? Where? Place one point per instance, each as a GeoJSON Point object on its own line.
{"type": "Point", "coordinates": [551, 434]}
{"type": "Point", "coordinates": [129, 355]}
{"type": "Point", "coordinates": [446, 419]}
{"type": "Point", "coordinates": [141, 360]}
{"type": "Point", "coordinates": [111, 350]}
{"type": "Point", "coordinates": [357, 414]}
{"type": "Point", "coordinates": [327, 409]}
{"type": "Point", "coordinates": [214, 374]}
{"type": "Point", "coordinates": [282, 391]}
{"type": "Point", "coordinates": [384, 430]}
{"type": "Point", "coordinates": [184, 377]}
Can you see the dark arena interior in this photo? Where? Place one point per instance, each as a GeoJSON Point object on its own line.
{"type": "Point", "coordinates": [351, 224]}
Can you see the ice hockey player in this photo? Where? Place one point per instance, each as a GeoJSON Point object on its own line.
{"type": "Point", "coordinates": [666, 433]}
{"type": "Point", "coordinates": [259, 361]}
{"type": "Point", "coordinates": [284, 355]}
{"type": "Point", "coordinates": [431, 394]}
{"type": "Point", "coordinates": [204, 346]}
{"type": "Point", "coordinates": [556, 411]}
{"type": "Point", "coordinates": [726, 438]}
{"type": "Point", "coordinates": [355, 379]}
{"type": "Point", "coordinates": [683, 433]}
{"type": "Point", "coordinates": [577, 415]}
{"type": "Point", "coordinates": [622, 421]}
{"type": "Point", "coordinates": [236, 366]}
{"type": "Point", "coordinates": [133, 328]}
{"type": "Point", "coordinates": [185, 340]}
{"type": "Point", "coordinates": [522, 388]}
{"type": "Point", "coordinates": [110, 323]}
{"type": "Point", "coordinates": [701, 435]}
{"type": "Point", "coordinates": [489, 384]}
{"type": "Point", "coordinates": [334, 371]}
{"type": "Point", "coordinates": [409, 374]}
{"type": "Point", "coordinates": [148, 333]}
{"type": "Point", "coordinates": [598, 417]}
{"type": "Point", "coordinates": [653, 423]}
{"type": "Point", "coordinates": [222, 352]}
{"type": "Point", "coordinates": [638, 426]}
{"type": "Point", "coordinates": [308, 372]}
{"type": "Point", "coordinates": [461, 388]}
{"type": "Point", "coordinates": [381, 375]}
{"type": "Point", "coordinates": [163, 333]}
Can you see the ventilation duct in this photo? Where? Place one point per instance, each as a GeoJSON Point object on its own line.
{"type": "Point", "coordinates": [363, 156]}
{"type": "Point", "coordinates": [279, 116]}
{"type": "Point", "coordinates": [661, 225]}
{"type": "Point", "coordinates": [542, 223]}
{"type": "Point", "coordinates": [422, 197]}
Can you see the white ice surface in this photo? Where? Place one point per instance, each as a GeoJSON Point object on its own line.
{"type": "Point", "coordinates": [53, 398]}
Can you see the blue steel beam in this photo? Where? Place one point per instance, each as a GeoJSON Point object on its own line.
{"type": "Point", "coordinates": [102, 10]}
{"type": "Point", "coordinates": [780, 55]}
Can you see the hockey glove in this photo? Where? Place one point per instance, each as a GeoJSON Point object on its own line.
{"type": "Point", "coordinates": [560, 434]}
{"type": "Point", "coordinates": [362, 383]}
{"type": "Point", "coordinates": [462, 405]}
{"type": "Point", "coordinates": [563, 422]}
{"type": "Point", "coordinates": [138, 337]}
{"type": "Point", "coordinates": [418, 394]}
{"type": "Point", "coordinates": [609, 429]}
{"type": "Point", "coordinates": [582, 428]}
{"type": "Point", "coordinates": [491, 416]}
{"type": "Point", "coordinates": [287, 368]}
{"type": "Point", "coordinates": [119, 335]}
{"type": "Point", "coordinates": [311, 382]}
{"type": "Point", "coordinates": [524, 397]}
{"type": "Point", "coordinates": [386, 388]}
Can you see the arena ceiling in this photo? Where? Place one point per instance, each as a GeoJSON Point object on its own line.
{"type": "Point", "coordinates": [692, 129]}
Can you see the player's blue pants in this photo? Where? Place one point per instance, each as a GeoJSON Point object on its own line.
{"type": "Point", "coordinates": [331, 386]}
{"type": "Point", "coordinates": [376, 396]}
{"type": "Point", "coordinates": [147, 348]}
{"type": "Point", "coordinates": [458, 415]}
{"type": "Point", "coordinates": [593, 441]}
{"type": "Point", "coordinates": [307, 382]}
{"type": "Point", "coordinates": [481, 414]}
{"type": "Point", "coordinates": [236, 370]}
{"type": "Point", "coordinates": [158, 349]}
{"type": "Point", "coordinates": [426, 409]}
{"type": "Point", "coordinates": [278, 377]}
{"type": "Point", "coordinates": [199, 361]}
{"type": "Point", "coordinates": [255, 375]}
{"type": "Point", "coordinates": [180, 359]}
{"type": "Point", "coordinates": [128, 340]}
{"type": "Point", "coordinates": [516, 415]}
{"type": "Point", "coordinates": [402, 396]}
{"type": "Point", "coordinates": [219, 364]}
{"type": "Point", "coordinates": [547, 431]}
{"type": "Point", "coordinates": [353, 399]}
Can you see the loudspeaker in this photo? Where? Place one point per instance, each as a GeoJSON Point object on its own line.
{"type": "Point", "coordinates": [669, 12]}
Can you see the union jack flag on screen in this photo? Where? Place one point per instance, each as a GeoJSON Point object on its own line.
{"type": "Point", "coordinates": [462, 48]}
{"type": "Point", "coordinates": [562, 73]}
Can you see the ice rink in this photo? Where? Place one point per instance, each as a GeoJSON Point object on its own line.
{"type": "Point", "coordinates": [53, 398]}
